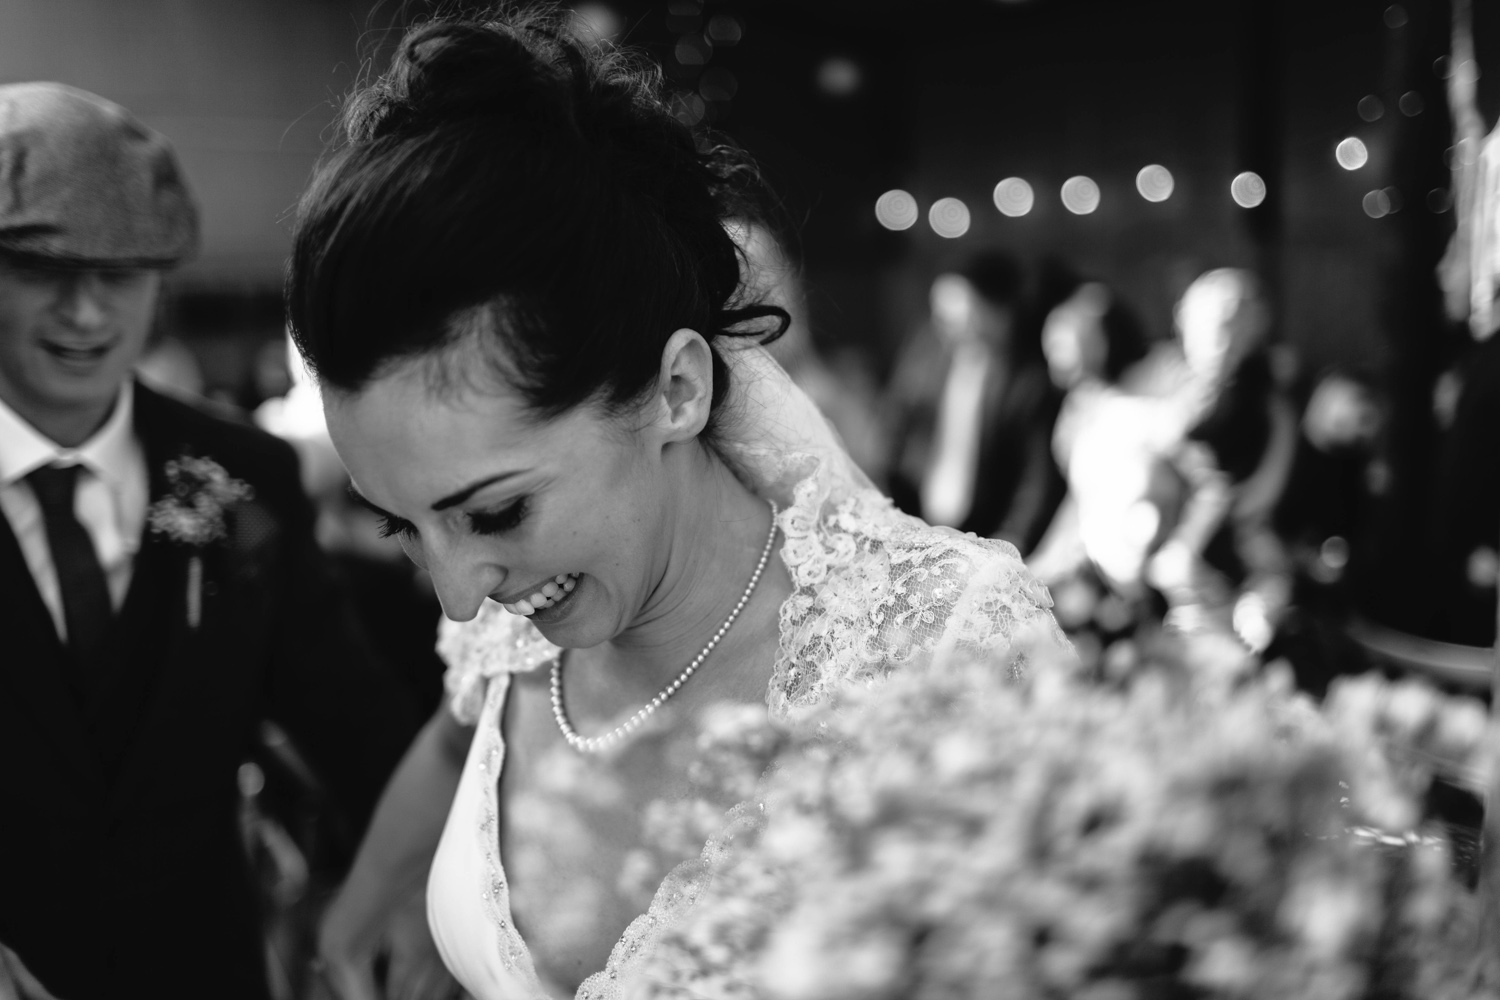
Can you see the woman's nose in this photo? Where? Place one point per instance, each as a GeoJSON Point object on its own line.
{"type": "Point", "coordinates": [462, 581]}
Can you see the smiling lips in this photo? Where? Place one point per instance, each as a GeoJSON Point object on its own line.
{"type": "Point", "coordinates": [68, 352]}
{"type": "Point", "coordinates": [552, 593]}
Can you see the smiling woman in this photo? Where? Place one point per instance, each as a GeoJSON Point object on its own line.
{"type": "Point", "coordinates": [514, 282]}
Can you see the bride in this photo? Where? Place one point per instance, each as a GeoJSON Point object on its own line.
{"type": "Point", "coordinates": [514, 282]}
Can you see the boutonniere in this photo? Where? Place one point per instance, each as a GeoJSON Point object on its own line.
{"type": "Point", "coordinates": [199, 492]}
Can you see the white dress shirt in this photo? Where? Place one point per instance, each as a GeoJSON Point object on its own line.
{"type": "Point", "coordinates": [110, 500]}
{"type": "Point", "coordinates": [948, 486]}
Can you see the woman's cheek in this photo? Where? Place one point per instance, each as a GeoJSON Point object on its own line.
{"type": "Point", "coordinates": [413, 549]}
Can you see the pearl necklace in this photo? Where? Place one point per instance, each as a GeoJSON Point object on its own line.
{"type": "Point", "coordinates": [595, 744]}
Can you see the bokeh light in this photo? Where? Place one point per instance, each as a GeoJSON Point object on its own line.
{"type": "Point", "coordinates": [689, 108]}
{"type": "Point", "coordinates": [1371, 108]}
{"type": "Point", "coordinates": [1461, 154]}
{"type": "Point", "coordinates": [684, 16]}
{"type": "Point", "coordinates": [949, 218]}
{"type": "Point", "coordinates": [1439, 200]}
{"type": "Point", "coordinates": [839, 76]}
{"type": "Point", "coordinates": [1377, 204]}
{"type": "Point", "coordinates": [1351, 154]}
{"type": "Point", "coordinates": [1014, 197]}
{"type": "Point", "coordinates": [694, 50]}
{"type": "Point", "coordinates": [1395, 16]}
{"type": "Point", "coordinates": [1411, 104]}
{"type": "Point", "coordinates": [600, 20]}
{"type": "Point", "coordinates": [1154, 182]}
{"type": "Point", "coordinates": [718, 84]}
{"type": "Point", "coordinates": [1393, 199]}
{"type": "Point", "coordinates": [1248, 189]}
{"type": "Point", "coordinates": [896, 209]}
{"type": "Point", "coordinates": [724, 30]}
{"type": "Point", "coordinates": [1080, 195]}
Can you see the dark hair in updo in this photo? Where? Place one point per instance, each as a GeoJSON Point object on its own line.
{"type": "Point", "coordinates": [507, 181]}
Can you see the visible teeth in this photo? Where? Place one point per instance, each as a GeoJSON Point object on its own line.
{"type": "Point", "coordinates": [551, 594]}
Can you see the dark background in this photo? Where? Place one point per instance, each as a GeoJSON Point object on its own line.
{"type": "Point", "coordinates": [941, 98]}
{"type": "Point", "coordinates": [950, 97]}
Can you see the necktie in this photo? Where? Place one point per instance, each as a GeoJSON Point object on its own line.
{"type": "Point", "coordinates": [85, 593]}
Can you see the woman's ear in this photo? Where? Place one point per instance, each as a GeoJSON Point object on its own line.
{"type": "Point", "coordinates": [684, 387]}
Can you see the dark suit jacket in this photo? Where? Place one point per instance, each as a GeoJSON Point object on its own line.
{"type": "Point", "coordinates": [1017, 484]}
{"type": "Point", "coordinates": [1465, 514]}
{"type": "Point", "coordinates": [122, 871]}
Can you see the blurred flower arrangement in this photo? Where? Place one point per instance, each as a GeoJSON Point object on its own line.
{"type": "Point", "coordinates": [1196, 829]}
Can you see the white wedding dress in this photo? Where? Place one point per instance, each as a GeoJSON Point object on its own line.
{"type": "Point", "coordinates": [874, 589]}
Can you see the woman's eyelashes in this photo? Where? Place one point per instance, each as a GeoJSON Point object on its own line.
{"type": "Point", "coordinates": [496, 522]}
{"type": "Point", "coordinates": [393, 526]}
{"type": "Point", "coordinates": [482, 522]}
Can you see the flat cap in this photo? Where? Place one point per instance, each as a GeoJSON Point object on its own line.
{"type": "Point", "coordinates": [83, 184]}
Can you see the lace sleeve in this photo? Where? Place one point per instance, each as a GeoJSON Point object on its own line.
{"type": "Point", "coordinates": [1000, 607]}
{"type": "Point", "coordinates": [877, 589]}
{"type": "Point", "coordinates": [493, 642]}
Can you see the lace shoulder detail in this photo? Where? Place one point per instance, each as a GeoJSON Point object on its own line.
{"type": "Point", "coordinates": [493, 642]}
{"type": "Point", "coordinates": [876, 589]}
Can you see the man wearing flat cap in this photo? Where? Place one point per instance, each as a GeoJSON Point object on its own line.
{"type": "Point", "coordinates": [162, 594]}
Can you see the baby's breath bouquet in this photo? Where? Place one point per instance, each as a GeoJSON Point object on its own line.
{"type": "Point", "coordinates": [1196, 830]}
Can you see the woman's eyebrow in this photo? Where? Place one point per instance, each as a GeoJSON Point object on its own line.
{"type": "Point", "coordinates": [454, 499]}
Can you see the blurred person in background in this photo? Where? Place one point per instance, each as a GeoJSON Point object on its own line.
{"type": "Point", "coordinates": [1110, 442]}
{"type": "Point", "coordinates": [1236, 455]}
{"type": "Point", "coordinates": [1090, 340]}
{"type": "Point", "coordinates": [1464, 526]}
{"type": "Point", "coordinates": [1336, 476]}
{"type": "Point", "coordinates": [973, 410]}
{"type": "Point", "coordinates": [163, 594]}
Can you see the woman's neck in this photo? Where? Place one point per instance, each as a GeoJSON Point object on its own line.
{"type": "Point", "coordinates": [717, 532]}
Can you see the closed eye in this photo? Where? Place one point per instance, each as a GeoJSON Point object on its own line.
{"type": "Point", "coordinates": [497, 522]}
{"type": "Point", "coordinates": [399, 527]}
{"type": "Point", "coordinates": [390, 524]}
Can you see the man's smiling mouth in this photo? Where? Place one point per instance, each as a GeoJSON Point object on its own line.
{"type": "Point", "coordinates": [75, 353]}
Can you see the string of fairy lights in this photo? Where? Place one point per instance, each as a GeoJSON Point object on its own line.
{"type": "Point", "coordinates": [1015, 197]}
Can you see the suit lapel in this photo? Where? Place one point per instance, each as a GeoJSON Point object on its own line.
{"type": "Point", "coordinates": [152, 699]}
{"type": "Point", "coordinates": [146, 631]}
{"type": "Point", "coordinates": [36, 675]}
{"type": "Point", "coordinates": [145, 634]}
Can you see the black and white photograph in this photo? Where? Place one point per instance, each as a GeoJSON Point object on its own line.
{"type": "Point", "coordinates": [749, 499]}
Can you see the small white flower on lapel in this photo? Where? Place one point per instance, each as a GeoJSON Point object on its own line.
{"type": "Point", "coordinates": [192, 513]}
